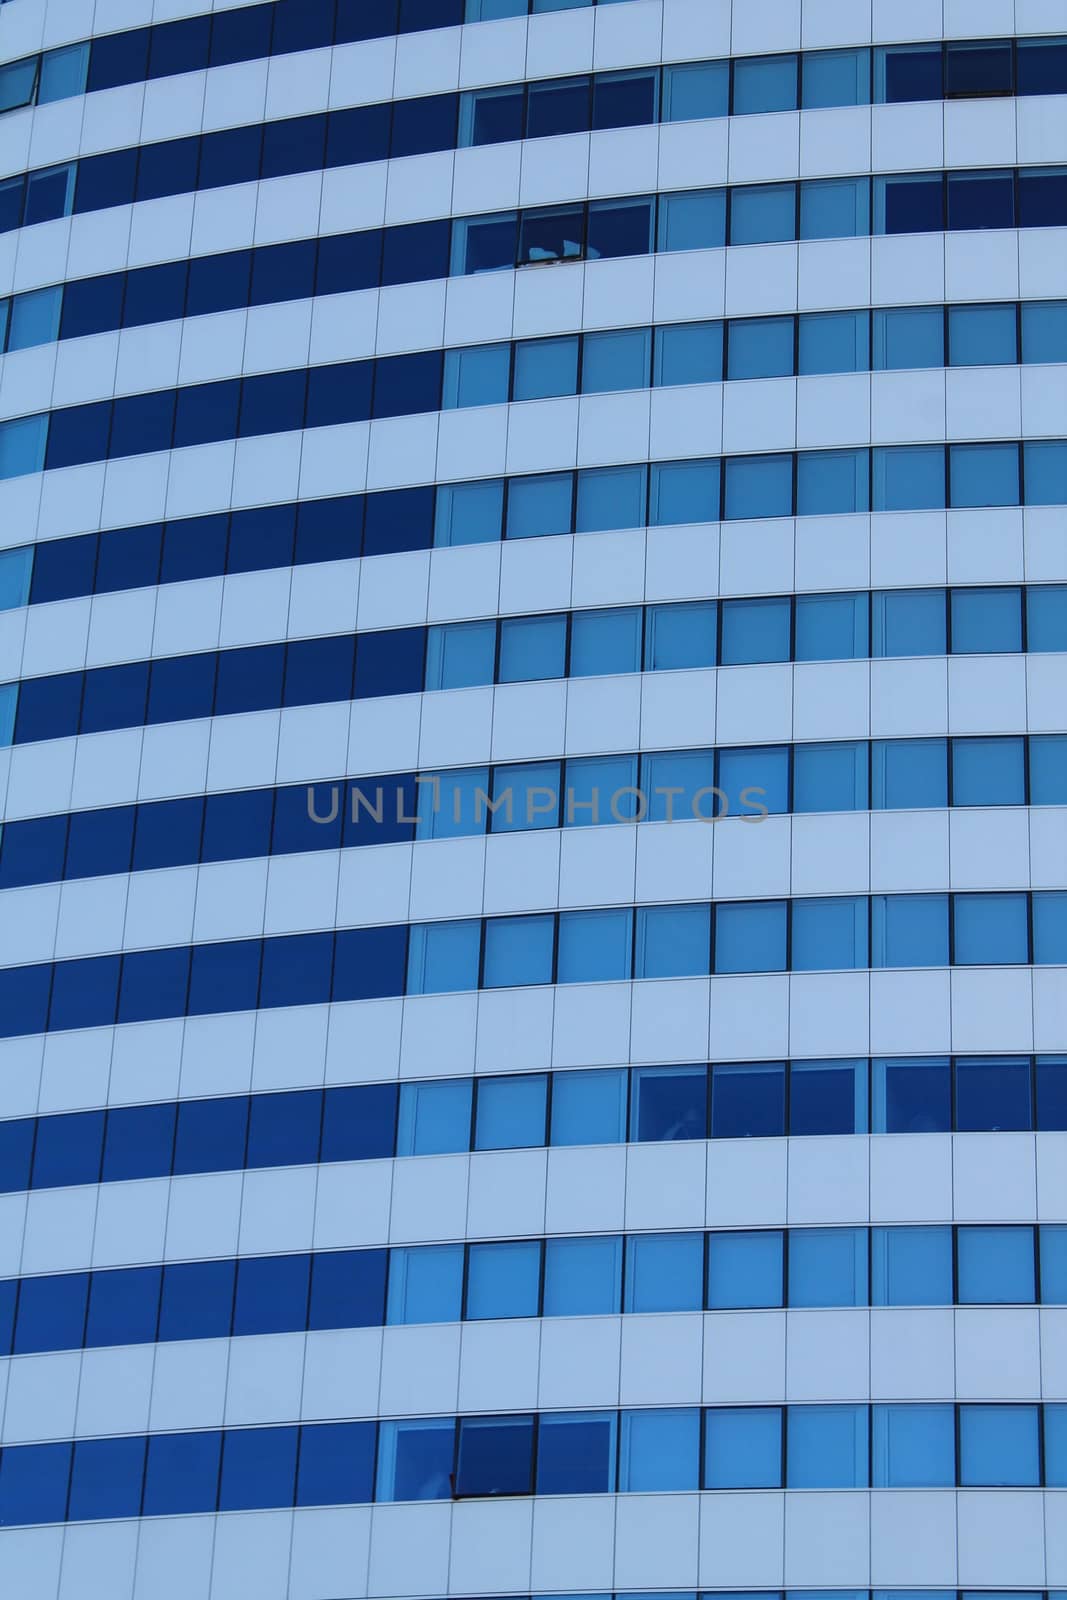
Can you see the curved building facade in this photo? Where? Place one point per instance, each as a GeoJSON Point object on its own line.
{"type": "Point", "coordinates": [533, 766]}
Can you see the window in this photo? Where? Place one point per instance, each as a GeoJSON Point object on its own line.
{"type": "Point", "coordinates": [503, 1280]}
{"type": "Point", "coordinates": [909, 930]}
{"type": "Point", "coordinates": [745, 1270]}
{"type": "Point", "coordinates": [495, 1456]}
{"type": "Point", "coordinates": [750, 778]}
{"type": "Point", "coordinates": [476, 377]}
{"type": "Point", "coordinates": [992, 1093]}
{"type": "Point", "coordinates": [978, 69]}
{"type": "Point", "coordinates": [490, 116]}
{"type": "Point", "coordinates": [999, 1446]}
{"type": "Point", "coordinates": [545, 367]}
{"type": "Point", "coordinates": [15, 569]}
{"type": "Point", "coordinates": [616, 361]}
{"type": "Point", "coordinates": [759, 486]}
{"type": "Point", "coordinates": [695, 221]}
{"type": "Point", "coordinates": [914, 1446]}
{"type": "Point", "coordinates": [1044, 471]}
{"type": "Point", "coordinates": [981, 336]}
{"type": "Point", "coordinates": [551, 233]}
{"type": "Point", "coordinates": [669, 1103]}
{"type": "Point", "coordinates": [589, 1107]}
{"type": "Point", "coordinates": [828, 1097]}
{"type": "Point", "coordinates": [834, 341]}
{"type": "Point", "coordinates": [34, 318]}
{"type": "Point", "coordinates": [750, 937]}
{"type": "Point", "coordinates": [911, 203]}
{"type": "Point", "coordinates": [996, 1266]}
{"type": "Point", "coordinates": [831, 627]}
{"type": "Point", "coordinates": [910, 622]}
{"type": "Point", "coordinates": [763, 213]}
{"type": "Point", "coordinates": [765, 83]}
{"type": "Point", "coordinates": [828, 1267]}
{"type": "Point", "coordinates": [1050, 929]}
{"type": "Point", "coordinates": [576, 1453]}
{"type": "Point", "coordinates": [611, 497]}
{"type": "Point", "coordinates": [1048, 770]}
{"type": "Point", "coordinates": [1053, 1265]}
{"type": "Point", "coordinates": [1044, 330]}
{"type": "Point", "coordinates": [907, 72]}
{"type": "Point", "coordinates": [982, 200]}
{"type": "Point", "coordinates": [469, 513]}
{"type": "Point", "coordinates": [830, 777]}
{"type": "Point", "coordinates": [1046, 617]}
{"type": "Point", "coordinates": [443, 957]}
{"type": "Point", "coordinates": [909, 773]}
{"type": "Point", "coordinates": [829, 934]}
{"type": "Point", "coordinates": [748, 1101]}
{"type": "Point", "coordinates": [540, 505]}
{"type": "Point", "coordinates": [909, 478]}
{"type": "Point", "coordinates": [525, 795]}
{"type": "Point", "coordinates": [672, 941]}
{"type": "Point", "coordinates": [485, 243]}
{"type": "Point", "coordinates": [696, 90]}
{"type": "Point", "coordinates": [679, 786]}
{"type": "Point", "coordinates": [606, 642]}
{"type": "Point", "coordinates": [755, 631]}
{"type": "Point", "coordinates": [835, 78]}
{"type": "Point", "coordinates": [684, 492]}
{"type": "Point", "coordinates": [911, 1266]}
{"type": "Point", "coordinates": [425, 1284]}
{"type": "Point", "coordinates": [415, 1460]}
{"type": "Point", "coordinates": [826, 1447]}
{"type": "Point", "coordinates": [984, 474]}
{"type": "Point", "coordinates": [835, 208]}
{"type": "Point", "coordinates": [760, 347]}
{"type": "Point", "coordinates": [620, 228]}
{"type": "Point", "coordinates": [664, 1272]}
{"type": "Point", "coordinates": [435, 1117]}
{"type": "Point", "coordinates": [689, 353]}
{"type": "Point", "coordinates": [583, 1277]}
{"type": "Point", "coordinates": [22, 446]}
{"type": "Point", "coordinates": [510, 1112]}
{"type": "Point", "coordinates": [594, 946]}
{"type": "Point", "coordinates": [659, 1450]}
{"type": "Point", "coordinates": [991, 930]}
{"type": "Point", "coordinates": [743, 1448]}
{"type": "Point", "coordinates": [460, 655]}
{"type": "Point", "coordinates": [912, 1096]}
{"type": "Point", "coordinates": [600, 789]}
{"type": "Point", "coordinates": [63, 73]}
{"type": "Point", "coordinates": [106, 1478]}
{"type": "Point", "coordinates": [518, 950]}
{"type": "Point", "coordinates": [988, 772]}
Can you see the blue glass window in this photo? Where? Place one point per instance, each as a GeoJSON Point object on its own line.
{"type": "Point", "coordinates": [606, 641]}
{"type": "Point", "coordinates": [583, 1277]}
{"type": "Point", "coordinates": [999, 1446]}
{"type": "Point", "coordinates": [576, 1453]}
{"type": "Point", "coordinates": [678, 785]}
{"type": "Point", "coordinates": [668, 1103]}
{"type": "Point", "coordinates": [1050, 929]}
{"type": "Point", "coordinates": [469, 513]}
{"type": "Point", "coordinates": [558, 105]}
{"type": "Point", "coordinates": [443, 957]}
{"type": "Point", "coordinates": [272, 1294]}
{"type": "Point", "coordinates": [914, 1447]}
{"type": "Point", "coordinates": [22, 446]}
{"type": "Point", "coordinates": [425, 1284]}
{"type": "Point", "coordinates": [981, 336]}
{"type": "Point", "coordinates": [659, 1450]}
{"type": "Point", "coordinates": [503, 1280]}
{"type": "Point", "coordinates": [1053, 1265]}
{"type": "Point", "coordinates": [34, 318]}
{"type": "Point", "coordinates": [909, 478]}
{"type": "Point", "coordinates": [616, 361]}
{"type": "Point", "coordinates": [460, 655]}
{"type": "Point", "coordinates": [684, 491]}
{"type": "Point", "coordinates": [909, 930]}
{"type": "Point", "coordinates": [600, 789]}
{"type": "Point", "coordinates": [1048, 770]}
{"type": "Point", "coordinates": [1046, 617]}
{"type": "Point", "coordinates": [197, 1300]}
{"type": "Point", "coordinates": [911, 1266]}
{"type": "Point", "coordinates": [909, 773]}
{"type": "Point", "coordinates": [829, 934]}
{"type": "Point", "coordinates": [545, 367]}
{"type": "Point", "coordinates": [347, 1289]}
{"type": "Point", "coordinates": [834, 341]}
{"type": "Point", "coordinates": [33, 1483]}
{"type": "Point", "coordinates": [526, 795]}
{"type": "Point", "coordinates": [828, 1096]}
{"type": "Point", "coordinates": [909, 336]}
{"type": "Point", "coordinates": [694, 221]}
{"type": "Point", "coordinates": [182, 1473]}
{"type": "Point", "coordinates": [910, 622]}
{"type": "Point", "coordinates": [912, 1096]}
{"type": "Point", "coordinates": [540, 505]}
{"type": "Point", "coordinates": [830, 777]}
{"type": "Point", "coordinates": [672, 941]}
{"type": "Point", "coordinates": [689, 352]}
{"type": "Point", "coordinates": [826, 1447]}
{"type": "Point", "coordinates": [835, 78]}
{"type": "Point", "coordinates": [495, 1456]}
{"type": "Point", "coordinates": [831, 627]}
{"type": "Point", "coordinates": [832, 482]}
{"type": "Point", "coordinates": [745, 1270]}
{"type": "Point", "coordinates": [510, 1112]}
{"type": "Point", "coordinates": [336, 1464]}
{"type": "Point", "coordinates": [748, 1101]}
{"type": "Point", "coordinates": [756, 630]}
{"type": "Point", "coordinates": [106, 1478]}
{"type": "Point", "coordinates": [138, 1142]}
{"type": "Point", "coordinates": [984, 474]}
{"type": "Point", "coordinates": [258, 1468]}
{"type": "Point", "coordinates": [490, 116]}
{"type": "Point", "coordinates": [51, 1312]}
{"type": "Point", "coordinates": [695, 90]}
{"type": "Point", "coordinates": [484, 244]}
{"type": "Point", "coordinates": [415, 1460]}
{"type": "Point", "coordinates": [283, 1130]}
{"type": "Point", "coordinates": [611, 497]}
{"type": "Point", "coordinates": [476, 377]}
{"type": "Point", "coordinates": [589, 1107]}
{"type": "Point", "coordinates": [743, 1448]}
{"type": "Point", "coordinates": [760, 347]}
{"type": "Point", "coordinates": [996, 1266]}
{"type": "Point", "coordinates": [828, 1267]}
{"type": "Point", "coordinates": [664, 1272]}
{"type": "Point", "coordinates": [911, 203]}
{"type": "Point", "coordinates": [990, 930]}
{"type": "Point", "coordinates": [765, 83]}
{"type": "Point", "coordinates": [835, 208]}
{"type": "Point", "coordinates": [762, 213]}
{"type": "Point", "coordinates": [518, 950]}
{"type": "Point", "coordinates": [988, 772]}
{"type": "Point", "coordinates": [595, 946]}
{"type": "Point", "coordinates": [750, 937]}
{"type": "Point", "coordinates": [750, 778]}
{"type": "Point", "coordinates": [1044, 471]}
{"type": "Point", "coordinates": [759, 486]}
{"type": "Point", "coordinates": [435, 1117]}
{"type": "Point", "coordinates": [1044, 330]}
{"type": "Point", "coordinates": [1055, 1418]}
{"type": "Point", "coordinates": [211, 1134]}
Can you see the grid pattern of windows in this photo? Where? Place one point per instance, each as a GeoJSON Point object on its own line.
{"type": "Point", "coordinates": [566, 1276]}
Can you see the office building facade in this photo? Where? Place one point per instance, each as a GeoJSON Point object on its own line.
{"type": "Point", "coordinates": [533, 765]}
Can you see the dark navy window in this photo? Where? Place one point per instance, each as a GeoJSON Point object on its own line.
{"type": "Point", "coordinates": [748, 1101]}
{"type": "Point", "coordinates": [16, 1154]}
{"type": "Point", "coordinates": [124, 1307]}
{"type": "Point", "coordinates": [218, 283]}
{"type": "Point", "coordinates": [293, 144]}
{"type": "Point", "coordinates": [180, 47]}
{"type": "Point", "coordinates": [283, 271]}
{"type": "Point", "coordinates": [400, 520]}
{"type": "Point", "coordinates": [115, 697]}
{"type": "Point", "coordinates": [32, 851]}
{"type": "Point", "coordinates": [273, 403]}
{"type": "Point", "coordinates": [52, 1312]}
{"type": "Point", "coordinates": [181, 687]}
{"type": "Point", "coordinates": [154, 983]}
{"type": "Point", "coordinates": [211, 1134]}
{"type": "Point", "coordinates": [249, 680]}
{"type": "Point", "coordinates": [91, 305]}
{"type": "Point", "coordinates": [495, 1456]}
{"type": "Point", "coordinates": [168, 168]}
{"type": "Point", "coordinates": [197, 1301]}
{"type": "Point", "coordinates": [106, 1478]}
{"type": "Point", "coordinates": [336, 1464]}
{"type": "Point", "coordinates": [129, 558]}
{"type": "Point", "coordinates": [359, 1123]}
{"type": "Point", "coordinates": [340, 393]}
{"type": "Point", "coordinates": [63, 568]}
{"type": "Point", "coordinates": [272, 1294]}
{"type": "Point", "coordinates": [77, 434]}
{"type": "Point", "coordinates": [231, 156]}
{"type": "Point", "coordinates": [347, 1289]}
{"type": "Point", "coordinates": [296, 972]}
{"type": "Point", "coordinates": [139, 1141]}
{"type": "Point", "coordinates": [107, 180]}
{"type": "Point", "coordinates": [206, 413]}
{"type": "Point", "coordinates": [33, 1483]}
{"type": "Point", "coordinates": [68, 1149]}
{"type": "Point", "coordinates": [261, 538]}
{"type": "Point", "coordinates": [168, 834]}
{"type": "Point", "coordinates": [283, 1129]}
{"type": "Point", "coordinates": [258, 1468]}
{"type": "Point", "coordinates": [237, 825]}
{"type": "Point", "coordinates": [182, 1473]}
{"type": "Point", "coordinates": [993, 1093]}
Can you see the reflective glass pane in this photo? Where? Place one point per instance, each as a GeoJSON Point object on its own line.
{"type": "Point", "coordinates": [912, 1096]}
{"type": "Point", "coordinates": [750, 937]}
{"type": "Point", "coordinates": [748, 1101]}
{"type": "Point", "coordinates": [834, 341]}
{"type": "Point", "coordinates": [689, 353]}
{"type": "Point", "coordinates": [415, 1460]}
{"type": "Point", "coordinates": [443, 957]}
{"type": "Point", "coordinates": [532, 647]}
{"type": "Point", "coordinates": [828, 1267]}
{"type": "Point", "coordinates": [668, 1103]}
{"type": "Point", "coordinates": [576, 1452]}
{"type": "Point", "coordinates": [589, 1107]}
{"type": "Point", "coordinates": [425, 1284]}
{"type": "Point", "coordinates": [684, 491]}
{"type": "Point", "coordinates": [595, 946]}
{"type": "Point", "coordinates": [545, 367]}
{"type": "Point", "coordinates": [911, 1266]}
{"type": "Point", "coordinates": [1046, 617]}
{"type": "Point", "coordinates": [606, 641]}
{"type": "Point", "coordinates": [672, 941]}
{"type": "Point", "coordinates": [909, 773]}
{"type": "Point", "coordinates": [476, 377]}
{"type": "Point", "coordinates": [988, 772]}
{"type": "Point", "coordinates": [826, 1447]}
{"type": "Point", "coordinates": [984, 475]}
{"type": "Point", "coordinates": [610, 497]}
{"type": "Point", "coordinates": [460, 655]}
{"type": "Point", "coordinates": [835, 78]}
{"type": "Point", "coordinates": [743, 1447]}
{"type": "Point", "coordinates": [659, 1450]}
{"type": "Point", "coordinates": [993, 1094]}
{"type": "Point", "coordinates": [759, 486]}
{"type": "Point", "coordinates": [763, 213]}
{"type": "Point", "coordinates": [755, 631]}
{"type": "Point", "coordinates": [583, 1277]}
{"type": "Point", "coordinates": [914, 1447]}
{"type": "Point", "coordinates": [909, 478]}
{"type": "Point", "coordinates": [744, 1270]}
{"type": "Point", "coordinates": [831, 627]}
{"type": "Point", "coordinates": [503, 1280]}
{"type": "Point", "coordinates": [696, 89]}
{"type": "Point", "coordinates": [540, 505]}
{"type": "Point", "coordinates": [835, 208]}
{"type": "Point", "coordinates": [34, 318]}
{"type": "Point", "coordinates": [435, 1117]}
{"type": "Point", "coordinates": [910, 622]}
{"type": "Point", "coordinates": [510, 1112]}
{"type": "Point", "coordinates": [1044, 327]}
{"type": "Point", "coordinates": [909, 336]}
{"type": "Point", "coordinates": [614, 361]}
{"type": "Point", "coordinates": [830, 777]}
{"type": "Point", "coordinates": [765, 83]}
{"type": "Point", "coordinates": [828, 1097]}
{"type": "Point", "coordinates": [981, 336]}
{"type": "Point", "coordinates": [664, 1272]}
{"type": "Point", "coordinates": [990, 929]}
{"type": "Point", "coordinates": [909, 930]}
{"type": "Point", "coordinates": [999, 1446]}
{"type": "Point", "coordinates": [694, 221]}
{"type": "Point", "coordinates": [760, 347]}
{"type": "Point", "coordinates": [996, 1266]}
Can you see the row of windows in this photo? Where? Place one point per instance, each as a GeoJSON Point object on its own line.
{"type": "Point", "coordinates": [613, 944]}
{"type": "Point", "coordinates": [584, 791]}
{"type": "Point", "coordinates": [442, 1116]}
{"type": "Point", "coordinates": [566, 1452]}
{"type": "Point", "coordinates": [601, 1275]}
{"type": "Point", "coordinates": [955, 69]}
{"type": "Point", "coordinates": [543, 646]}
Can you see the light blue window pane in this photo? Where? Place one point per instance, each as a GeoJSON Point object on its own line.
{"type": "Point", "coordinates": [435, 1117]}
{"type": "Point", "coordinates": [909, 336]}
{"type": "Point", "coordinates": [672, 941]}
{"type": "Point", "coordinates": [454, 805]}
{"type": "Point", "coordinates": [909, 774]}
{"type": "Point", "coordinates": [503, 1280]}
{"type": "Point", "coordinates": [830, 777]}
{"type": "Point", "coordinates": [762, 213]}
{"type": "Point", "coordinates": [677, 785]}
{"type": "Point", "coordinates": [511, 1112]}
{"type": "Point", "coordinates": [1046, 617]}
{"type": "Point", "coordinates": [583, 1277]}
{"type": "Point", "coordinates": [606, 641]}
{"type": "Point", "coordinates": [415, 1460]}
{"type": "Point", "coordinates": [63, 73]}
{"type": "Point", "coordinates": [760, 347]}
{"type": "Point", "coordinates": [1044, 331]}
{"type": "Point", "coordinates": [684, 491]}
{"type": "Point", "coordinates": [1048, 770]}
{"type": "Point", "coordinates": [17, 81]}
{"type": "Point", "coordinates": [985, 621]}
{"type": "Point", "coordinates": [611, 497]}
{"type": "Point", "coordinates": [914, 1447]}
{"type": "Point", "coordinates": [909, 478]}
{"type": "Point", "coordinates": [828, 1267]}
{"type": "Point", "coordinates": [830, 935]}
{"type": "Point", "coordinates": [981, 336]}
{"type": "Point", "coordinates": [911, 1266]}
{"type": "Point", "coordinates": [755, 630]}
{"type": "Point", "coordinates": [836, 78]}
{"type": "Point", "coordinates": [831, 627]}
{"type": "Point", "coordinates": [909, 930]}
{"type": "Point", "coordinates": [984, 474]}
{"type": "Point", "coordinates": [1044, 472]}
{"type": "Point", "coordinates": [697, 90]}
{"type": "Point", "coordinates": [1056, 1448]}
{"type": "Point", "coordinates": [469, 513]}
{"type": "Point", "coordinates": [545, 367]}
{"type": "Point", "coordinates": [750, 778]}
{"type": "Point", "coordinates": [750, 938]}
{"type": "Point", "coordinates": [589, 1107]}
{"type": "Point", "coordinates": [681, 636]}
{"type": "Point", "coordinates": [540, 505]}
{"type": "Point", "coordinates": [835, 208]}
{"type": "Point", "coordinates": [664, 1272]}
{"type": "Point", "coordinates": [990, 930]}
{"type": "Point", "coordinates": [826, 1447]}
{"type": "Point", "coordinates": [765, 83]}
{"type": "Point", "coordinates": [694, 221]}
{"type": "Point", "coordinates": [518, 950]}
{"type": "Point", "coordinates": [443, 957]}
{"type": "Point", "coordinates": [4, 308]}
{"type": "Point", "coordinates": [759, 486]}
{"type": "Point", "coordinates": [600, 790]}
{"type": "Point", "coordinates": [476, 377]}
{"type": "Point", "coordinates": [989, 772]}
{"type": "Point", "coordinates": [426, 1284]}
{"type": "Point", "coordinates": [999, 1447]}
{"type": "Point", "coordinates": [8, 702]}
{"type": "Point", "coordinates": [35, 318]}
{"type": "Point", "coordinates": [525, 795]}
{"type": "Point", "coordinates": [743, 1447]}
{"type": "Point", "coordinates": [1050, 929]}
{"type": "Point", "coordinates": [595, 946]}
{"type": "Point", "coordinates": [909, 622]}
{"type": "Point", "coordinates": [1053, 1265]}
{"type": "Point", "coordinates": [659, 1450]}
{"type": "Point", "coordinates": [22, 443]}
{"type": "Point", "coordinates": [831, 482]}
{"type": "Point", "coordinates": [613, 361]}
{"type": "Point", "coordinates": [16, 567]}
{"type": "Point", "coordinates": [744, 1270]}
{"type": "Point", "coordinates": [460, 654]}
{"type": "Point", "coordinates": [996, 1266]}
{"type": "Point", "coordinates": [834, 341]}
{"type": "Point", "coordinates": [532, 647]}
{"type": "Point", "coordinates": [688, 352]}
